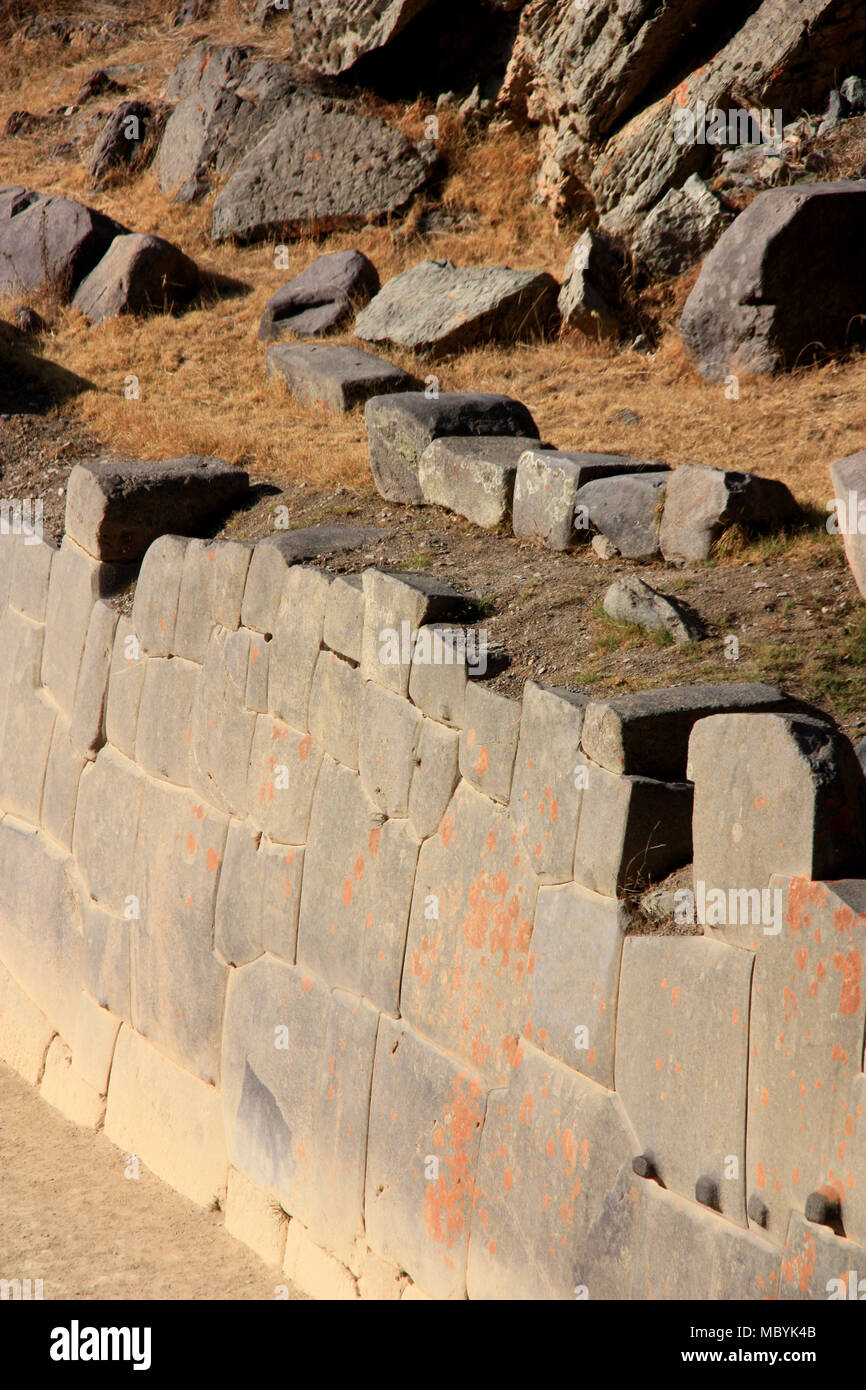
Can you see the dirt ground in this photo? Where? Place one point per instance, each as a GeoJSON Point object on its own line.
{"type": "Point", "coordinates": [70, 1217]}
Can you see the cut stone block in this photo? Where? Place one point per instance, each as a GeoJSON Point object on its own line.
{"type": "Point", "coordinates": [400, 427]}
{"type": "Point", "coordinates": [107, 958]}
{"type": "Point", "coordinates": [648, 732]}
{"type": "Point", "coordinates": [806, 1050]}
{"type": "Point", "coordinates": [434, 778]}
{"type": "Point", "coordinates": [60, 790]}
{"type": "Point", "coordinates": [344, 616]}
{"type": "Point", "coordinates": [24, 1031]}
{"type": "Point", "coordinates": [116, 510]}
{"type": "Point", "coordinates": [467, 953]}
{"type": "Point", "coordinates": [62, 1087]}
{"type": "Point", "coordinates": [237, 916]}
{"type": "Point", "coordinates": [571, 997]}
{"type": "Point", "coordinates": [380, 1280]}
{"type": "Point", "coordinates": [818, 1265]}
{"type": "Point", "coordinates": [488, 744]}
{"type": "Point", "coordinates": [281, 868]}
{"type": "Point", "coordinates": [700, 503]}
{"type": "Point", "coordinates": [171, 1120]}
{"type": "Point", "coordinates": [473, 475]}
{"type": "Point", "coordinates": [264, 586]}
{"type": "Point", "coordinates": [177, 984]}
{"type": "Point", "coordinates": [627, 510]}
{"type": "Point", "coordinates": [222, 726]}
{"type": "Point", "coordinates": [211, 591]}
{"type": "Point", "coordinates": [295, 648]}
{"type": "Point", "coordinates": [258, 672]}
{"type": "Point", "coordinates": [273, 556]}
{"type": "Point", "coordinates": [164, 728]}
{"type": "Point", "coordinates": [283, 767]}
{"type": "Point", "coordinates": [323, 297]}
{"type": "Point", "coordinates": [312, 1270]}
{"type": "Point", "coordinates": [72, 592]}
{"type": "Point", "coordinates": [426, 1116]}
{"type": "Point", "coordinates": [396, 861]}
{"type": "Point", "coordinates": [774, 793]}
{"type": "Point", "coordinates": [154, 608]}
{"type": "Point", "coordinates": [255, 1218]}
{"type": "Point", "coordinates": [8, 544]}
{"type": "Point", "coordinates": [93, 1043]}
{"type": "Point", "coordinates": [87, 726]}
{"type": "Point", "coordinates": [26, 718]}
{"type": "Point", "coordinates": [396, 604]}
{"type": "Point", "coordinates": [552, 1147]}
{"type": "Point", "coordinates": [549, 776]}
{"type": "Point", "coordinates": [335, 705]}
{"type": "Point", "coordinates": [439, 676]}
{"type": "Point", "coordinates": [389, 730]}
{"type": "Point", "coordinates": [546, 488]}
{"type": "Point", "coordinates": [675, 992]}
{"type": "Point", "coordinates": [30, 577]}
{"type": "Point", "coordinates": [41, 922]}
{"type": "Point", "coordinates": [125, 682]}
{"type": "Point", "coordinates": [632, 830]}
{"type": "Point", "coordinates": [338, 378]}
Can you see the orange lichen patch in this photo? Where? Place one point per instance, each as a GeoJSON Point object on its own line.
{"type": "Point", "coordinates": [527, 1106]}
{"type": "Point", "coordinates": [375, 837]}
{"type": "Point", "coordinates": [765, 1096]}
{"type": "Point", "coordinates": [198, 812]}
{"type": "Point", "coordinates": [760, 1176]}
{"type": "Point", "coordinates": [305, 746]}
{"type": "Point", "coordinates": [490, 842]}
{"type": "Point", "coordinates": [446, 830]}
{"type": "Point", "coordinates": [554, 811]}
{"type": "Point", "coordinates": [359, 868]}
{"type": "Point", "coordinates": [213, 859]}
{"type": "Point", "coordinates": [482, 762]}
{"type": "Point", "coordinates": [851, 994]}
{"type": "Point", "coordinates": [675, 994]}
{"type": "Point", "coordinates": [307, 983]}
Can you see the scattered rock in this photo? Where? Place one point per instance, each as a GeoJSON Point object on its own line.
{"type": "Point", "coordinates": [49, 242]}
{"type": "Point", "coordinates": [137, 275]}
{"type": "Point", "coordinates": [400, 427]}
{"type": "Point", "coordinates": [833, 114]}
{"type": "Point", "coordinates": [189, 12]}
{"type": "Point", "coordinates": [437, 307]}
{"type": "Point", "coordinates": [115, 510]}
{"type": "Point", "coordinates": [590, 295]}
{"type": "Point", "coordinates": [604, 549]}
{"type": "Point", "coordinates": [129, 138]}
{"type": "Point", "coordinates": [853, 91]}
{"type": "Point", "coordinates": [321, 298]}
{"type": "Point", "coordinates": [626, 509]}
{"type": "Point", "coordinates": [28, 322]}
{"type": "Point", "coordinates": [100, 83]}
{"type": "Point", "coordinates": [680, 228]}
{"type": "Point", "coordinates": [630, 600]}
{"type": "Point", "coordinates": [337, 377]}
{"type": "Point", "coordinates": [473, 475]}
{"type": "Point", "coordinates": [197, 134]}
{"type": "Point", "coordinates": [754, 307]}
{"type": "Point", "coordinates": [701, 503]}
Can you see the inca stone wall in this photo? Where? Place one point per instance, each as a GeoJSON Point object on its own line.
{"type": "Point", "coordinates": [342, 942]}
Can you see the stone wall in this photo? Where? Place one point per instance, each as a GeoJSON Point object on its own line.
{"type": "Point", "coordinates": [343, 944]}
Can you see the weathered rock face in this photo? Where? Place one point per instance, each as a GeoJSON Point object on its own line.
{"type": "Point", "coordinates": [137, 275]}
{"type": "Point", "coordinates": [129, 138]}
{"type": "Point", "coordinates": [626, 509]}
{"type": "Point", "coordinates": [322, 297]}
{"type": "Point", "coordinates": [49, 242]}
{"type": "Point", "coordinates": [204, 85]}
{"type": "Point", "coordinates": [679, 229]}
{"type": "Point", "coordinates": [437, 307]}
{"type": "Point", "coordinates": [745, 312]}
{"type": "Point", "coordinates": [333, 34]}
{"type": "Point", "coordinates": [590, 293]}
{"type": "Point", "coordinates": [322, 166]}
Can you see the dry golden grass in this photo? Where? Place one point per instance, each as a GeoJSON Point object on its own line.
{"type": "Point", "coordinates": [201, 374]}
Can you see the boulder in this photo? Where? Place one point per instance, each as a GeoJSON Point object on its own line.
{"type": "Point", "coordinates": [137, 275]}
{"type": "Point", "coordinates": [331, 36]}
{"type": "Point", "coordinates": [630, 600]}
{"type": "Point", "coordinates": [337, 377]}
{"type": "Point", "coordinates": [679, 229]}
{"type": "Point", "coordinates": [324, 165]}
{"type": "Point", "coordinates": [626, 509]}
{"type": "Point", "coordinates": [49, 242]}
{"type": "Point", "coordinates": [401, 426]}
{"type": "Point", "coordinates": [849, 484]}
{"type": "Point", "coordinates": [115, 510]}
{"type": "Point", "coordinates": [204, 84]}
{"type": "Point", "coordinates": [700, 503]}
{"type": "Point", "coordinates": [322, 297]}
{"type": "Point", "coordinates": [473, 475]}
{"type": "Point", "coordinates": [128, 139]}
{"type": "Point", "coordinates": [590, 294]}
{"type": "Point", "coordinates": [755, 307]}
{"type": "Point", "coordinates": [99, 83]}
{"type": "Point", "coordinates": [438, 308]}
{"type": "Point", "coordinates": [547, 488]}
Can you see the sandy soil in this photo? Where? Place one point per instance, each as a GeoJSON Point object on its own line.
{"type": "Point", "coordinates": [68, 1216]}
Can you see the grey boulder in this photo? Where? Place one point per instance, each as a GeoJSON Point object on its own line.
{"type": "Point", "coordinates": [438, 308]}
{"type": "Point", "coordinates": [679, 229]}
{"type": "Point", "coordinates": [321, 298]}
{"type": "Point", "coordinates": [337, 377]}
{"type": "Point", "coordinates": [590, 294]}
{"type": "Point", "coordinates": [626, 509]}
{"type": "Point", "coordinates": [128, 139]}
{"type": "Point", "coordinates": [49, 242]}
{"type": "Point", "coordinates": [137, 275]}
{"type": "Point", "coordinates": [701, 503]}
{"type": "Point", "coordinates": [630, 600]}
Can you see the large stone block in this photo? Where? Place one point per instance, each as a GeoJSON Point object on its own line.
{"type": "Point", "coordinates": [87, 726]}
{"type": "Point", "coordinates": [107, 953]}
{"type": "Point", "coordinates": [237, 915]}
{"type": "Point", "coordinates": [60, 790]}
{"type": "Point", "coordinates": [177, 984]}
{"type": "Point", "coordinates": [25, 1032]}
{"type": "Point", "coordinates": [335, 707]}
{"type": "Point", "coordinates": [818, 1265]}
{"type": "Point", "coordinates": [26, 718]}
{"type": "Point", "coordinates": [281, 868]}
{"type": "Point", "coordinates": [106, 828]}
{"type": "Point", "coordinates": [426, 1116]}
{"type": "Point", "coordinates": [439, 676]}
{"type": "Point", "coordinates": [473, 475]}
{"type": "Point", "coordinates": [211, 592]}
{"type": "Point", "coordinates": [258, 672]}
{"type": "Point", "coordinates": [488, 743]}
{"type": "Point", "coordinates": [222, 726]}
{"type": "Point", "coordinates": [396, 604]}
{"type": "Point", "coordinates": [396, 860]}
{"type": "Point", "coordinates": [435, 777]}
{"type": "Point", "coordinates": [254, 1218]}
{"type": "Point", "coordinates": [72, 592]}
{"type": "Point", "coordinates": [400, 427]}
{"type": "Point", "coordinates": [30, 577]}
{"type": "Point", "coordinates": [164, 728]}
{"type": "Point", "coordinates": [93, 1043]}
{"type": "Point", "coordinates": [648, 731]}
{"type": "Point", "coordinates": [546, 491]}
{"type": "Point", "coordinates": [125, 682]}
{"type": "Point", "coordinates": [154, 608]}
{"type": "Point", "coordinates": [631, 830]}
{"type": "Point", "coordinates": [701, 503]}
{"type": "Point", "coordinates": [674, 993]}
{"type": "Point", "coordinates": [344, 616]}
{"type": "Point", "coordinates": [552, 1147]}
{"type": "Point", "coordinates": [263, 588]}
{"type": "Point", "coordinates": [333, 376]}
{"type": "Point", "coordinates": [627, 509]}
{"type": "Point", "coordinates": [774, 793]}
{"type": "Point", "coordinates": [283, 767]}
{"type": "Point", "coordinates": [67, 1091]}
{"type": "Point", "coordinates": [572, 993]}
{"type": "Point", "coordinates": [467, 953]}
{"type": "Point", "coordinates": [388, 736]}
{"type": "Point", "coordinates": [548, 779]}
{"type": "Point", "coordinates": [171, 1120]}
{"type": "Point", "coordinates": [116, 510]}
{"type": "Point", "coordinates": [295, 648]}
